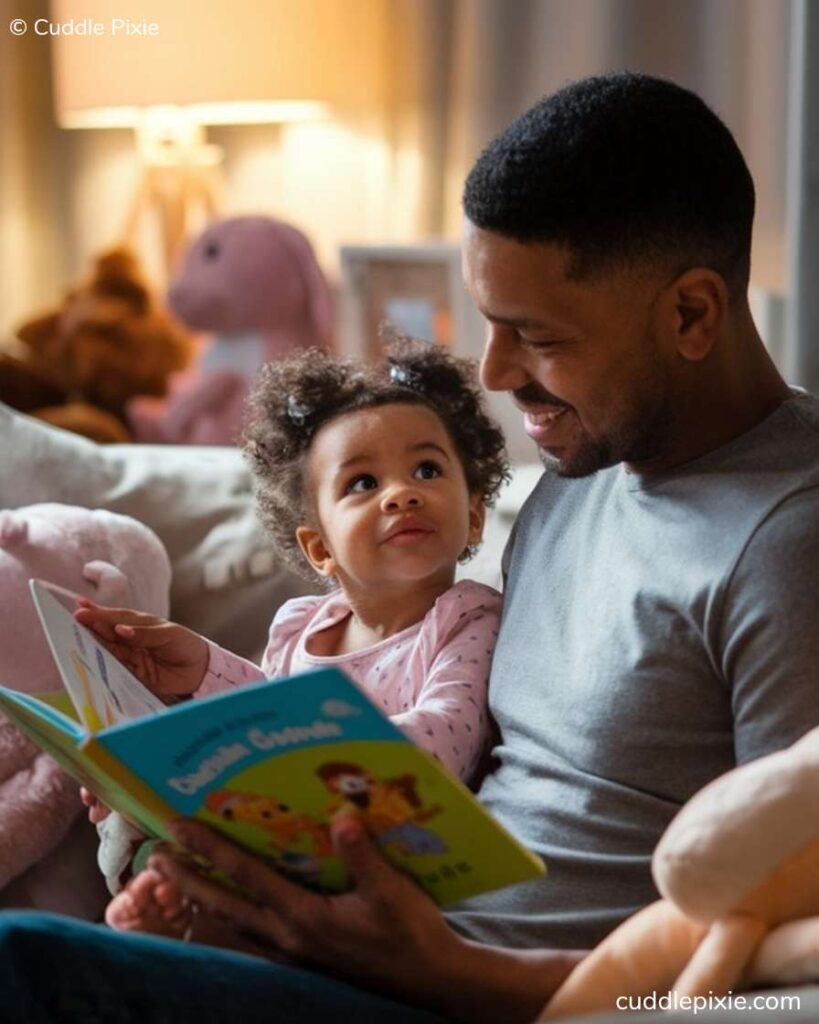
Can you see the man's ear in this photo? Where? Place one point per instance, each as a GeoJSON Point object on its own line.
{"type": "Point", "coordinates": [696, 304]}
{"type": "Point", "coordinates": [477, 518]}
{"type": "Point", "coordinates": [314, 550]}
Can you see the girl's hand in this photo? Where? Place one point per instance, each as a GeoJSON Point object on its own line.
{"type": "Point", "coordinates": [96, 811]}
{"type": "Point", "coordinates": [168, 659]}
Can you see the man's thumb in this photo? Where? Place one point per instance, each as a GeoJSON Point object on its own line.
{"type": "Point", "coordinates": [357, 851]}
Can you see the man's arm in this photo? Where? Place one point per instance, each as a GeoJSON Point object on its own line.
{"type": "Point", "coordinates": [385, 934]}
{"type": "Point", "coordinates": [768, 640]}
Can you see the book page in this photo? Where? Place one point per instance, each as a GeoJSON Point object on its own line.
{"type": "Point", "coordinates": [102, 689]}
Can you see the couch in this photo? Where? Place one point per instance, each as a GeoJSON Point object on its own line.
{"type": "Point", "coordinates": [226, 580]}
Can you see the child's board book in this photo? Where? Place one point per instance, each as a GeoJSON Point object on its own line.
{"type": "Point", "coordinates": [269, 764]}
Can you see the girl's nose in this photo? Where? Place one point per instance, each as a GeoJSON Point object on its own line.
{"type": "Point", "coordinates": [399, 498]}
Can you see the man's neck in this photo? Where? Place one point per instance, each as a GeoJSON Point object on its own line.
{"type": "Point", "coordinates": [718, 403]}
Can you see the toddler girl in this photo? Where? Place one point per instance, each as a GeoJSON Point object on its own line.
{"type": "Point", "coordinates": [377, 480]}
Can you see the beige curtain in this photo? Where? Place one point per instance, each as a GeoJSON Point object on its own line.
{"type": "Point", "coordinates": [34, 178]}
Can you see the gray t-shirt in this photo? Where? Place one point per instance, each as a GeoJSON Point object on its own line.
{"type": "Point", "coordinates": [656, 631]}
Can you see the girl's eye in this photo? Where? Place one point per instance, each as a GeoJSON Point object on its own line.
{"type": "Point", "coordinates": [359, 484]}
{"type": "Point", "coordinates": [428, 470]}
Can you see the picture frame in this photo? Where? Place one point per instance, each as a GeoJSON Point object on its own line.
{"type": "Point", "coordinates": [418, 289]}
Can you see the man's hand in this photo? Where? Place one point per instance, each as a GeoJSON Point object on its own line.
{"type": "Point", "coordinates": [384, 934]}
{"type": "Point", "coordinates": [168, 659]}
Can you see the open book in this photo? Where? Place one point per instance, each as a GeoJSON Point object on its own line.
{"type": "Point", "coordinates": [269, 764]}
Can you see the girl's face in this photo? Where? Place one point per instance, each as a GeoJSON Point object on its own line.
{"type": "Point", "coordinates": [390, 500]}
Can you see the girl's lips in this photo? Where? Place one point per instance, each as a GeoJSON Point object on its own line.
{"type": "Point", "coordinates": [408, 531]}
{"type": "Point", "coordinates": [405, 537]}
{"type": "Point", "coordinates": [543, 426]}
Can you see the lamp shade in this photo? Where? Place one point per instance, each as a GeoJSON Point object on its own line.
{"type": "Point", "coordinates": [232, 61]}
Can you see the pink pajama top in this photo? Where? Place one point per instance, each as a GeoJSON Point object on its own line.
{"type": "Point", "coordinates": [430, 679]}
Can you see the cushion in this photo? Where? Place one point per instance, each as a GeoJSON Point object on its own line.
{"type": "Point", "coordinates": [227, 582]}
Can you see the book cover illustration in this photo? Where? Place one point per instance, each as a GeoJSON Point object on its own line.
{"type": "Point", "coordinates": [270, 764]}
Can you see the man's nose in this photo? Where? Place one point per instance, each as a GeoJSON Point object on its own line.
{"type": "Point", "coordinates": [503, 364]}
{"type": "Point", "coordinates": [401, 497]}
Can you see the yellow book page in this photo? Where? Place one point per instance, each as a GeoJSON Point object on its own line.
{"type": "Point", "coordinates": [60, 700]}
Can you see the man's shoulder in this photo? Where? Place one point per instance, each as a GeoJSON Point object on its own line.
{"type": "Point", "coordinates": [786, 538]}
{"type": "Point", "coordinates": [787, 440]}
{"type": "Point", "coordinates": [755, 476]}
{"type": "Point", "coordinates": [803, 407]}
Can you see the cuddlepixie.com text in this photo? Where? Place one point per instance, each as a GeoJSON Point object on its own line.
{"type": "Point", "coordinates": [759, 1002]}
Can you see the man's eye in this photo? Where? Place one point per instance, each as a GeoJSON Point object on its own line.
{"type": "Point", "coordinates": [359, 484]}
{"type": "Point", "coordinates": [427, 470]}
{"type": "Point", "coordinates": [540, 345]}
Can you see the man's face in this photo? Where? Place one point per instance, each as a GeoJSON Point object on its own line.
{"type": "Point", "coordinates": [582, 360]}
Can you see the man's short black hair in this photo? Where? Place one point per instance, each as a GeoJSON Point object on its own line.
{"type": "Point", "coordinates": [621, 169]}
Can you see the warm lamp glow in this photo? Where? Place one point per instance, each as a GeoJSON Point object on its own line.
{"type": "Point", "coordinates": [168, 68]}
{"type": "Point", "coordinates": [249, 112]}
{"type": "Point", "coordinates": [224, 61]}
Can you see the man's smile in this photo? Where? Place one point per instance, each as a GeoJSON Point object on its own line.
{"type": "Point", "coordinates": [543, 426]}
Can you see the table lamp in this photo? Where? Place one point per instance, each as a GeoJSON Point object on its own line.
{"type": "Point", "coordinates": [168, 68]}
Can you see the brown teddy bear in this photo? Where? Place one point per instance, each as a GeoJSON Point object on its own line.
{"type": "Point", "coordinates": [109, 341]}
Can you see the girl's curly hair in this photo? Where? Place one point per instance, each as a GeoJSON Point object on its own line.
{"type": "Point", "coordinates": [295, 397]}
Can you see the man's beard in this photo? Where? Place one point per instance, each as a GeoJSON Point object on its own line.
{"type": "Point", "coordinates": [643, 433]}
{"type": "Point", "coordinates": [633, 443]}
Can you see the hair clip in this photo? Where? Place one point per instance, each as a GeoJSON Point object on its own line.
{"type": "Point", "coordinates": [298, 412]}
{"type": "Point", "coordinates": [406, 376]}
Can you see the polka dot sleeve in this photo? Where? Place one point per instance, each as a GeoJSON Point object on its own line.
{"type": "Point", "coordinates": [450, 717]}
{"type": "Point", "coordinates": [226, 670]}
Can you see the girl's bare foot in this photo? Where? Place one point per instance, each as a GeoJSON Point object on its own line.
{"type": "Point", "coordinates": [150, 903]}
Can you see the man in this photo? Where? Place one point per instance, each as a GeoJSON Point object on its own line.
{"type": "Point", "coordinates": [660, 606]}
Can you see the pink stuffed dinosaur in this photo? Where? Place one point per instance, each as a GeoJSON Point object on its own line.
{"type": "Point", "coordinates": [739, 870]}
{"type": "Point", "coordinates": [115, 561]}
{"type": "Point", "coordinates": [255, 284]}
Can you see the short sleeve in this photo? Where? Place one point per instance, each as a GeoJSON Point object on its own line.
{"type": "Point", "coordinates": [770, 638]}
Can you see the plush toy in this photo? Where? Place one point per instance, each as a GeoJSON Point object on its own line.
{"type": "Point", "coordinates": [108, 341]}
{"type": "Point", "coordinates": [115, 561]}
{"type": "Point", "coordinates": [739, 869]}
{"type": "Point", "coordinates": [255, 284]}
